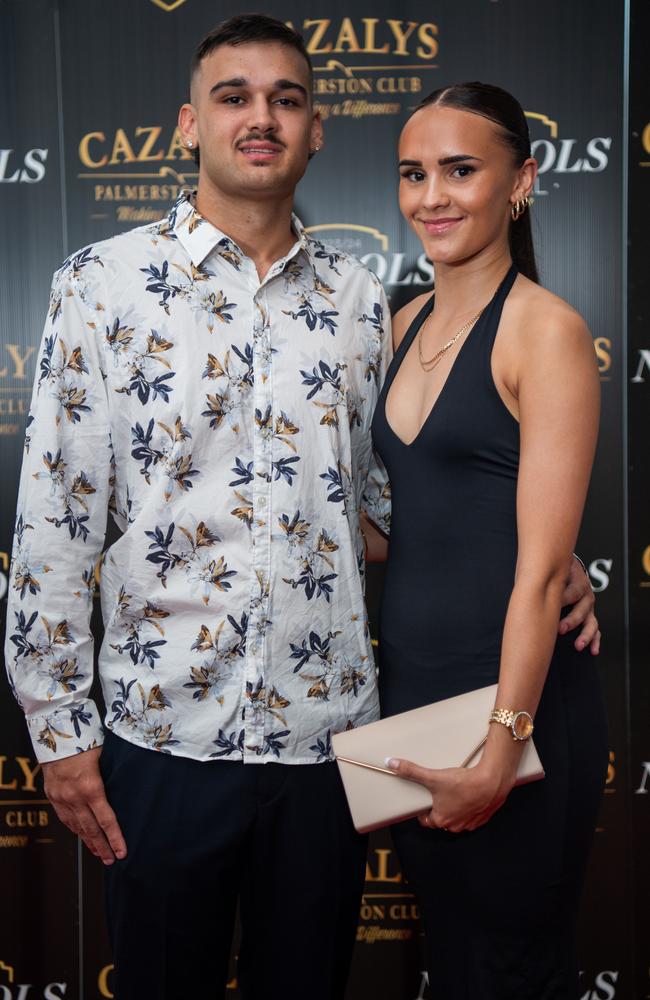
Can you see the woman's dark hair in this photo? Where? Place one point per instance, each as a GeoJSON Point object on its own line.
{"type": "Point", "coordinates": [501, 108]}
{"type": "Point", "coordinates": [246, 28]}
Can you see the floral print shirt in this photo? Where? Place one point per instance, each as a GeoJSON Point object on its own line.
{"type": "Point", "coordinates": [224, 423]}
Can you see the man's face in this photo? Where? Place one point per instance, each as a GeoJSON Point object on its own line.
{"type": "Point", "coordinates": [252, 119]}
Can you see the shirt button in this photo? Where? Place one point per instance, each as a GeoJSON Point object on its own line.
{"type": "Point", "coordinates": [262, 501]}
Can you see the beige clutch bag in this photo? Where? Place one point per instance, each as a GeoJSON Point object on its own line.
{"type": "Point", "coordinates": [449, 733]}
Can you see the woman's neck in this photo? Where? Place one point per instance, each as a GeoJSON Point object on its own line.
{"type": "Point", "coordinates": [468, 286]}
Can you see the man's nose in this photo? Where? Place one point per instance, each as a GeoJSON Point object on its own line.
{"type": "Point", "coordinates": [261, 116]}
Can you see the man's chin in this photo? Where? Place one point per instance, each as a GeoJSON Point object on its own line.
{"type": "Point", "coordinates": [266, 181]}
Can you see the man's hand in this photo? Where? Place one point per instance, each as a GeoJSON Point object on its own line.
{"type": "Point", "coordinates": [75, 788]}
{"type": "Point", "coordinates": [578, 592]}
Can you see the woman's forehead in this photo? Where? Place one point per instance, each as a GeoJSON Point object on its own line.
{"type": "Point", "coordinates": [437, 126]}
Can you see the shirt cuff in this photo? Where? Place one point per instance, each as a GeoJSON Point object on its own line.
{"type": "Point", "coordinates": [66, 731]}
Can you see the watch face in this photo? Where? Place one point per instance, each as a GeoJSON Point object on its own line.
{"type": "Point", "coordinates": [522, 725]}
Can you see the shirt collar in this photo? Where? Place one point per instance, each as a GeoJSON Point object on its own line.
{"type": "Point", "coordinates": [200, 237]}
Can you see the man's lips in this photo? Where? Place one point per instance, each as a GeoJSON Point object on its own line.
{"type": "Point", "coordinates": [438, 227]}
{"type": "Point", "coordinates": [260, 150]}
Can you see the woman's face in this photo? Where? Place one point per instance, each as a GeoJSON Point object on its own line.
{"type": "Point", "coordinates": [458, 180]}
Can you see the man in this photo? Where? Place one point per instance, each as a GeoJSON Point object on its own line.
{"type": "Point", "coordinates": [210, 380]}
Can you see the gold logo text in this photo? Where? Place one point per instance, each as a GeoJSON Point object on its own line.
{"type": "Point", "coordinates": [369, 36]}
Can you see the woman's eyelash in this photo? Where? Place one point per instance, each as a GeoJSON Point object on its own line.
{"type": "Point", "coordinates": [412, 174]}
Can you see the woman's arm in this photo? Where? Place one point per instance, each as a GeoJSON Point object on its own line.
{"type": "Point", "coordinates": [559, 396]}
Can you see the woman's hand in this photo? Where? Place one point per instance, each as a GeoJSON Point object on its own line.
{"type": "Point", "coordinates": [579, 593]}
{"type": "Point", "coordinates": [463, 798]}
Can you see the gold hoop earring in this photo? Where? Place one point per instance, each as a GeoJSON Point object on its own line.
{"type": "Point", "coordinates": [518, 208]}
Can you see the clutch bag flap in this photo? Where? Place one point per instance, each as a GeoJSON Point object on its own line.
{"type": "Point", "coordinates": [443, 734]}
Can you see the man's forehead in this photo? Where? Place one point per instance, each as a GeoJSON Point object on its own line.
{"type": "Point", "coordinates": [257, 62]}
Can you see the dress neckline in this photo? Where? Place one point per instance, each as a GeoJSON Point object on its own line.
{"type": "Point", "coordinates": [502, 290]}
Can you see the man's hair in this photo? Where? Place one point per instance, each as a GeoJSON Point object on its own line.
{"type": "Point", "coordinates": [243, 28]}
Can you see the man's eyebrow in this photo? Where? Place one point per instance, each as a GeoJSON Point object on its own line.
{"type": "Point", "coordinates": [458, 158]}
{"type": "Point", "coordinates": [241, 81]}
{"type": "Point", "coordinates": [237, 81]}
{"type": "Point", "coordinates": [291, 85]}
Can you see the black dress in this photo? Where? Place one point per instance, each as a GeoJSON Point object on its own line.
{"type": "Point", "coordinates": [499, 903]}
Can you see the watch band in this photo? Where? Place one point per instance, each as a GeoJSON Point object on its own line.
{"type": "Point", "coordinates": [503, 715]}
{"type": "Point", "coordinates": [519, 723]}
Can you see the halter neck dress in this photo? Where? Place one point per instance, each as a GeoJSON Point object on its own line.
{"type": "Point", "coordinates": [499, 903]}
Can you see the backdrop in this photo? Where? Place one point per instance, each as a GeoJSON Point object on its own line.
{"type": "Point", "coordinates": [90, 92]}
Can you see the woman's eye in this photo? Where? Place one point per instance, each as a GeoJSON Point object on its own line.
{"type": "Point", "coordinates": [463, 171]}
{"type": "Point", "coordinates": [412, 175]}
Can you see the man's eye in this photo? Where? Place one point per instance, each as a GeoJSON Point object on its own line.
{"type": "Point", "coordinates": [233, 99]}
{"type": "Point", "coordinates": [286, 101]}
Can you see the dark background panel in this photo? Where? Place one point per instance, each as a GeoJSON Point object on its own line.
{"type": "Point", "coordinates": [38, 857]}
{"type": "Point", "coordinates": [32, 212]}
{"type": "Point", "coordinates": [638, 394]}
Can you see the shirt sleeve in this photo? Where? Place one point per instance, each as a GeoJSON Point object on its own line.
{"type": "Point", "coordinates": [63, 500]}
{"type": "Point", "coordinates": [375, 500]}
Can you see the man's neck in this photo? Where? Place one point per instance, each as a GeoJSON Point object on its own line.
{"type": "Point", "coordinates": [262, 228]}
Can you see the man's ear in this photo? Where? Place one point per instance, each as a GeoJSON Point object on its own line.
{"type": "Point", "coordinates": [317, 137]}
{"type": "Point", "coordinates": [187, 125]}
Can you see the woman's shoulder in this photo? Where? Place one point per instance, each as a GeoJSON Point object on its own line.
{"type": "Point", "coordinates": [405, 316]}
{"type": "Point", "coordinates": [542, 317]}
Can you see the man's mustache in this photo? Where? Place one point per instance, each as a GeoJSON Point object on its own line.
{"type": "Point", "coordinates": [258, 137]}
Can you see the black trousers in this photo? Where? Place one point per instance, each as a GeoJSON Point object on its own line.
{"type": "Point", "coordinates": [199, 836]}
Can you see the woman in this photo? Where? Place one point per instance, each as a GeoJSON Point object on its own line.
{"type": "Point", "coordinates": [487, 424]}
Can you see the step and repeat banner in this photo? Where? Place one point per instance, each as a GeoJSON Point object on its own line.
{"type": "Point", "coordinates": [637, 411]}
{"type": "Point", "coordinates": [90, 92]}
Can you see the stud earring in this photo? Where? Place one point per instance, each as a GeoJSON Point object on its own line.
{"type": "Point", "coordinates": [189, 143]}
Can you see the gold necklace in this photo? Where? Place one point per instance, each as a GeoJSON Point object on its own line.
{"type": "Point", "coordinates": [429, 365]}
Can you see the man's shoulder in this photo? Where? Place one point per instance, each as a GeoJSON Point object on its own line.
{"type": "Point", "coordinates": [115, 253]}
{"type": "Point", "coordinates": [340, 261]}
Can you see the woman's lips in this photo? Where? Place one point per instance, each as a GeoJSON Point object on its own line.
{"type": "Point", "coordinates": [439, 227]}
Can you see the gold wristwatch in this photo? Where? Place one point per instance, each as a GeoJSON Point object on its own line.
{"type": "Point", "coordinates": [520, 724]}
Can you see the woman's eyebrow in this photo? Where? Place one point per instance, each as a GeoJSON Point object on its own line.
{"type": "Point", "coordinates": [458, 158]}
{"type": "Point", "coordinates": [443, 162]}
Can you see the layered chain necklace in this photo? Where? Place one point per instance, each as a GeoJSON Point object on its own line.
{"type": "Point", "coordinates": [429, 365]}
